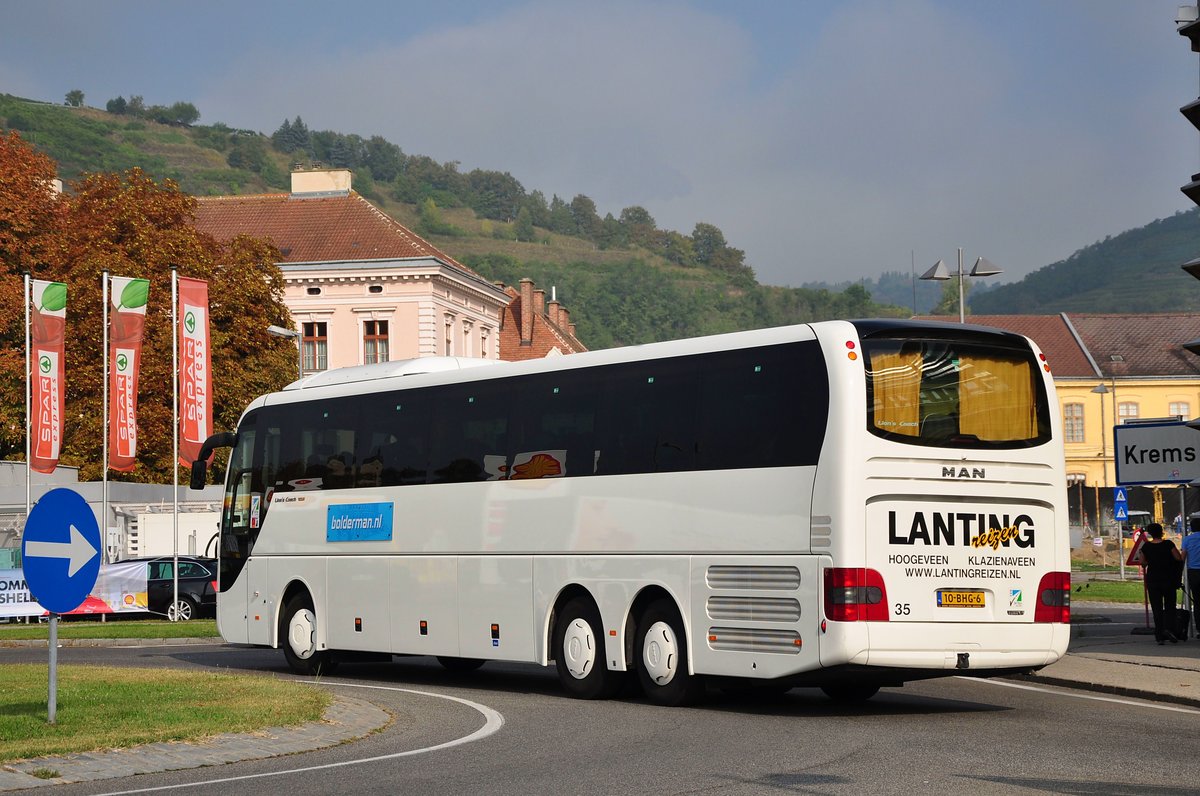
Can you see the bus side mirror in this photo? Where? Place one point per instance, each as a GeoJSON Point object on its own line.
{"type": "Point", "coordinates": [222, 439]}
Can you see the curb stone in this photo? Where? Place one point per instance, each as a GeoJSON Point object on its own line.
{"type": "Point", "coordinates": [346, 719]}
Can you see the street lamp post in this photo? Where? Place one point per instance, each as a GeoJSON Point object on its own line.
{"type": "Point", "coordinates": [1102, 390]}
{"type": "Point", "coordinates": [291, 334]}
{"type": "Point", "coordinates": [939, 272]}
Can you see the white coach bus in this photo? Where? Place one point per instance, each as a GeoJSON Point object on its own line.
{"type": "Point", "coordinates": [846, 505]}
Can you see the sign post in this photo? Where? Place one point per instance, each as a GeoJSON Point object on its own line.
{"type": "Point", "coordinates": [1120, 515]}
{"type": "Point", "coordinates": [61, 552]}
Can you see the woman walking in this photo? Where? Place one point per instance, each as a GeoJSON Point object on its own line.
{"type": "Point", "coordinates": [1162, 561]}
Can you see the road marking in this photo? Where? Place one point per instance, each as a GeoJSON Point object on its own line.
{"type": "Point", "coordinates": [493, 721]}
{"type": "Point", "coordinates": [1068, 693]}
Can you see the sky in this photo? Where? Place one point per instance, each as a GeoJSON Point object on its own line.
{"type": "Point", "coordinates": [830, 141]}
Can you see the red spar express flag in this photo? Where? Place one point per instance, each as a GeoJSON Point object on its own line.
{"type": "Point", "coordinates": [47, 378]}
{"type": "Point", "coordinates": [129, 298]}
{"type": "Point", "coordinates": [195, 376]}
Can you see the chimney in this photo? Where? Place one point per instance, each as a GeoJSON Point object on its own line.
{"type": "Point", "coordinates": [317, 183]}
{"type": "Point", "coordinates": [572, 330]}
{"type": "Point", "coordinates": [526, 312]}
{"type": "Point", "coordinates": [552, 311]}
{"type": "Point", "coordinates": [564, 318]}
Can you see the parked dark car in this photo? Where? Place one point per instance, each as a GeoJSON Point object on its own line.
{"type": "Point", "coordinates": [197, 586]}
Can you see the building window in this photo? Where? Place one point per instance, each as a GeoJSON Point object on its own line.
{"type": "Point", "coordinates": [375, 289]}
{"type": "Point", "coordinates": [1180, 409]}
{"type": "Point", "coordinates": [313, 291]}
{"type": "Point", "coordinates": [468, 348]}
{"type": "Point", "coordinates": [375, 342]}
{"type": "Point", "coordinates": [449, 335]}
{"type": "Point", "coordinates": [483, 343]}
{"type": "Point", "coordinates": [316, 347]}
{"type": "Point", "coordinates": [1127, 410]}
{"type": "Point", "coordinates": [1073, 422]}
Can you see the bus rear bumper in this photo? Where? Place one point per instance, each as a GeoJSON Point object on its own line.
{"type": "Point", "coordinates": [945, 647]}
{"type": "Point", "coordinates": [964, 647]}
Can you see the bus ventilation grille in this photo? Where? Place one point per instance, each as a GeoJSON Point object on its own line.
{"type": "Point", "coordinates": [748, 578]}
{"type": "Point", "coordinates": [754, 609]}
{"type": "Point", "coordinates": [746, 639]}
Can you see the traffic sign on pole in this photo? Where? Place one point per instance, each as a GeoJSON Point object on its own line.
{"type": "Point", "coordinates": [61, 554]}
{"type": "Point", "coordinates": [61, 550]}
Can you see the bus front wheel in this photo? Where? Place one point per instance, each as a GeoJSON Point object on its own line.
{"type": "Point", "coordinates": [300, 640]}
{"type": "Point", "coordinates": [662, 660]}
{"type": "Point", "coordinates": [579, 653]}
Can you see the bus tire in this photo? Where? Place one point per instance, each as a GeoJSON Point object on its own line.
{"type": "Point", "coordinates": [299, 639]}
{"type": "Point", "coordinates": [459, 665]}
{"type": "Point", "coordinates": [850, 694]}
{"type": "Point", "coordinates": [662, 660]}
{"type": "Point", "coordinates": [579, 652]}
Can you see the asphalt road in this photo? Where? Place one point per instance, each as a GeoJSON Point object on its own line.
{"type": "Point", "coordinates": [944, 736]}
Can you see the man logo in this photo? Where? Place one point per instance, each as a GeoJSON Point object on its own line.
{"type": "Point", "coordinates": [963, 472]}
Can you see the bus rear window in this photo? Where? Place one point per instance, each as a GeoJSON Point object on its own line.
{"type": "Point", "coordinates": [955, 394]}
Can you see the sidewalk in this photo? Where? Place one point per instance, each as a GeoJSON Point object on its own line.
{"type": "Point", "coordinates": [1107, 656]}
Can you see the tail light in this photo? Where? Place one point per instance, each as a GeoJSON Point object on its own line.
{"type": "Point", "coordinates": [214, 586]}
{"type": "Point", "coordinates": [855, 595]}
{"type": "Point", "coordinates": [1054, 598]}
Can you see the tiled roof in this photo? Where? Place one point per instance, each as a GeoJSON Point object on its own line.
{"type": "Point", "coordinates": [1145, 345]}
{"type": "Point", "coordinates": [547, 335]}
{"type": "Point", "coordinates": [316, 229]}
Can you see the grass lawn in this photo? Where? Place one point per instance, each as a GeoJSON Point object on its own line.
{"type": "Point", "coordinates": [1109, 591]}
{"type": "Point", "coordinates": [102, 707]}
{"type": "Point", "coordinates": [122, 628]}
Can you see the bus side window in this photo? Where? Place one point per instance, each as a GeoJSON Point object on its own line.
{"type": "Point", "coordinates": [650, 418]}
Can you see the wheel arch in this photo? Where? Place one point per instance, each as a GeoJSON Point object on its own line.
{"type": "Point", "coordinates": [565, 595]}
{"type": "Point", "coordinates": [648, 595]}
{"type": "Point", "coordinates": [295, 588]}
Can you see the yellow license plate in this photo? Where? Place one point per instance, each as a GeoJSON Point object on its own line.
{"type": "Point", "coordinates": [960, 598]}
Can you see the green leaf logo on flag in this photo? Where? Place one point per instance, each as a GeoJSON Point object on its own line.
{"type": "Point", "coordinates": [54, 297]}
{"type": "Point", "coordinates": [122, 363]}
{"type": "Point", "coordinates": [189, 321]}
{"type": "Point", "coordinates": [44, 364]}
{"type": "Point", "coordinates": [135, 294]}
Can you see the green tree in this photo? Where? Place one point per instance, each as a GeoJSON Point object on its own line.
{"type": "Point", "coordinates": [639, 225]}
{"type": "Point", "coordinates": [561, 220]}
{"type": "Point", "coordinates": [707, 241]}
{"type": "Point", "coordinates": [383, 158]}
{"type": "Point", "coordinates": [116, 105]}
{"type": "Point", "coordinates": [587, 220]}
{"type": "Point", "coordinates": [523, 227]}
{"type": "Point", "coordinates": [135, 227]}
{"type": "Point", "coordinates": [948, 303]}
{"type": "Point", "coordinates": [74, 98]}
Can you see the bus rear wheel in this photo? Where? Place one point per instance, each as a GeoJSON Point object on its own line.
{"type": "Point", "coordinates": [850, 694]}
{"type": "Point", "coordinates": [662, 660]}
{"type": "Point", "coordinates": [300, 640]}
{"type": "Point", "coordinates": [579, 653]}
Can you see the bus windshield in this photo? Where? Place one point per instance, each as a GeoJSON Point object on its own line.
{"type": "Point", "coordinates": [954, 394]}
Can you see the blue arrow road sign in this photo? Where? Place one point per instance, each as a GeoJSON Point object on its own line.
{"type": "Point", "coordinates": [61, 550]}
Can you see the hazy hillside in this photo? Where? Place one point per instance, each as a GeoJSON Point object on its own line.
{"type": "Point", "coordinates": [1135, 271]}
{"type": "Point", "coordinates": [624, 279]}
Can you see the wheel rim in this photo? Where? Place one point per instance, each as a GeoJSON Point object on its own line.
{"type": "Point", "coordinates": [302, 633]}
{"type": "Point", "coordinates": [579, 649]}
{"type": "Point", "coordinates": [180, 611]}
{"type": "Point", "coordinates": [660, 653]}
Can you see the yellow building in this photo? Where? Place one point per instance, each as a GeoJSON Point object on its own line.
{"type": "Point", "coordinates": [1109, 369]}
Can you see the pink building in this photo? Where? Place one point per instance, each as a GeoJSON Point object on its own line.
{"type": "Point", "coordinates": [361, 287]}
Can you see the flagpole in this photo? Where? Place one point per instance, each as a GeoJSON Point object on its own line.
{"type": "Point", "coordinates": [104, 427]}
{"type": "Point", "coordinates": [28, 405]}
{"type": "Point", "coordinates": [174, 612]}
